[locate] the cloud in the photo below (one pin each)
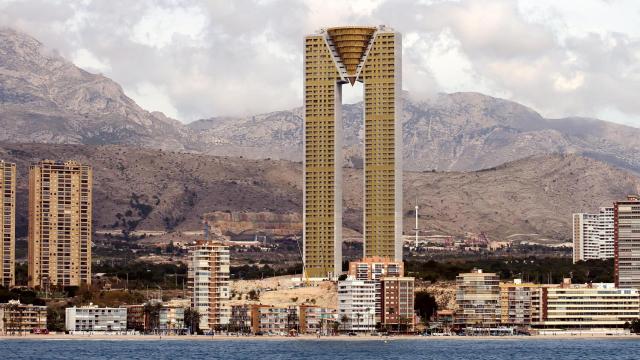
(196, 59)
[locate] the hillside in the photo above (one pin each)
(139, 188)
(46, 99)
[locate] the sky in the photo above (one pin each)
(198, 59)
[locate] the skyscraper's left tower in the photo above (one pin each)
(334, 57)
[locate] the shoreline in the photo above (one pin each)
(103, 337)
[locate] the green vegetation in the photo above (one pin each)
(425, 305)
(541, 270)
(252, 272)
(141, 274)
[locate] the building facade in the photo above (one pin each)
(208, 273)
(398, 299)
(240, 319)
(60, 200)
(477, 299)
(587, 306)
(357, 304)
(375, 268)
(7, 223)
(626, 218)
(516, 302)
(17, 318)
(92, 318)
(268, 319)
(593, 235)
(333, 57)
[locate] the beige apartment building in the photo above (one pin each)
(60, 201)
(477, 299)
(517, 302)
(208, 273)
(7, 223)
(334, 57)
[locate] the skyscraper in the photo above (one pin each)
(209, 283)
(593, 235)
(7, 223)
(333, 57)
(626, 230)
(60, 200)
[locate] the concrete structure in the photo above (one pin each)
(316, 319)
(333, 57)
(208, 274)
(593, 235)
(587, 306)
(626, 219)
(398, 299)
(7, 223)
(59, 224)
(17, 318)
(88, 319)
(516, 299)
(357, 304)
(477, 299)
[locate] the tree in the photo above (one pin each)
(344, 319)
(152, 314)
(425, 305)
(192, 320)
(635, 326)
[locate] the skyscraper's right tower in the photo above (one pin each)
(333, 57)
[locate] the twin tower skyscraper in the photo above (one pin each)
(334, 57)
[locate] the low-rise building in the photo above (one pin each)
(240, 319)
(357, 304)
(398, 299)
(92, 318)
(477, 299)
(16, 318)
(268, 319)
(586, 306)
(317, 319)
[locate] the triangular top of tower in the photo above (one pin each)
(351, 43)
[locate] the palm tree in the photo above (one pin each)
(192, 319)
(344, 321)
(368, 317)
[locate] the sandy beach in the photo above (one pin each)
(103, 337)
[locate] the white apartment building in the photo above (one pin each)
(477, 299)
(209, 283)
(586, 306)
(593, 235)
(357, 304)
(93, 318)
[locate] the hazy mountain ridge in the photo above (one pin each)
(46, 99)
(172, 190)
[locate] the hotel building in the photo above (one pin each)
(92, 318)
(357, 304)
(626, 222)
(477, 299)
(333, 57)
(593, 235)
(7, 223)
(316, 319)
(59, 224)
(268, 319)
(208, 273)
(16, 318)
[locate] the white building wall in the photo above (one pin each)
(357, 301)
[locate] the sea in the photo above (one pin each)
(433, 349)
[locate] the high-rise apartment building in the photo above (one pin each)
(7, 223)
(477, 299)
(208, 273)
(593, 235)
(398, 299)
(516, 302)
(626, 224)
(357, 304)
(333, 57)
(59, 223)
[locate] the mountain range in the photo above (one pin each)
(46, 99)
